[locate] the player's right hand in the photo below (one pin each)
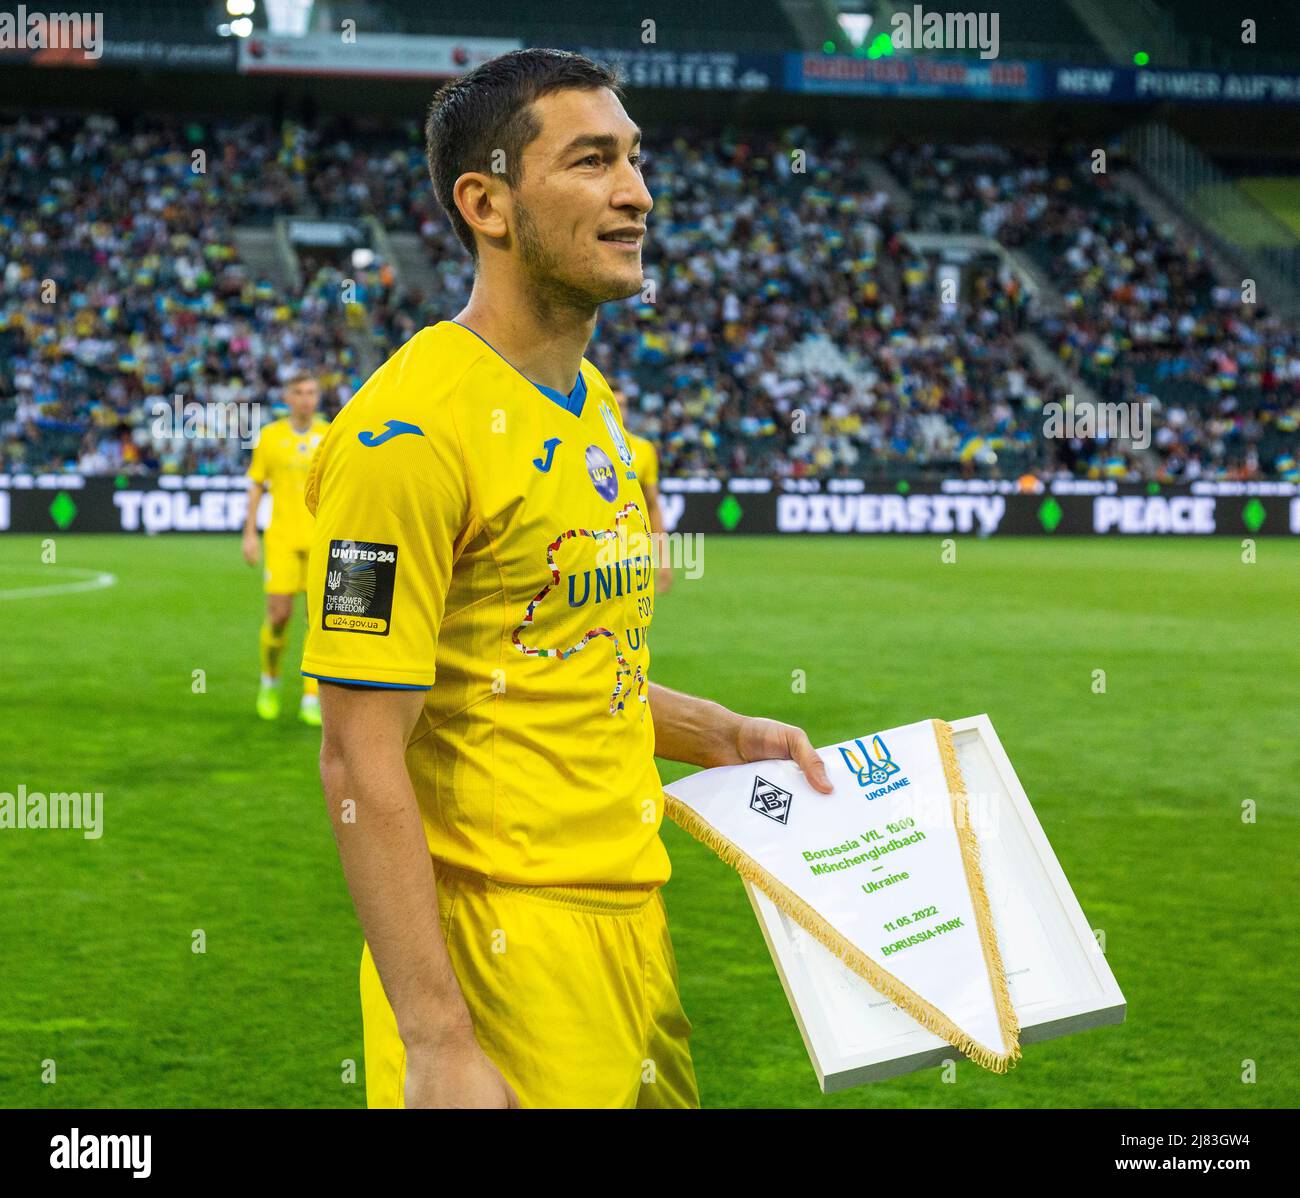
(252, 547)
(457, 1075)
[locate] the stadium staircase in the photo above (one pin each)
(1245, 239)
(1031, 272)
(882, 178)
(1143, 193)
(414, 267)
(261, 254)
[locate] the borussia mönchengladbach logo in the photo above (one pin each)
(770, 800)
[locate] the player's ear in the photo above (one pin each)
(479, 198)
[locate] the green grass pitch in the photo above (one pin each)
(214, 821)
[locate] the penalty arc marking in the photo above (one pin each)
(90, 580)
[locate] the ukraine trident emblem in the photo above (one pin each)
(870, 770)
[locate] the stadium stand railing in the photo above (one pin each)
(1265, 246)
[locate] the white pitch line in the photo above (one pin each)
(96, 582)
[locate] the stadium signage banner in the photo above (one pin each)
(690, 70)
(916, 77)
(835, 507)
(920, 76)
(884, 872)
(333, 233)
(955, 507)
(171, 56)
(1130, 84)
(77, 40)
(72, 503)
(890, 513)
(372, 54)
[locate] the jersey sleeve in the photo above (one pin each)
(258, 467)
(391, 518)
(650, 476)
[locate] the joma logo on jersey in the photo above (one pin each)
(549, 446)
(392, 428)
(869, 769)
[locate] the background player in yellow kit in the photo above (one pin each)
(280, 463)
(480, 594)
(645, 461)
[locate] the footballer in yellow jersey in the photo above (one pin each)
(485, 539)
(281, 460)
(480, 599)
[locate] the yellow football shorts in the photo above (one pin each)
(572, 991)
(286, 568)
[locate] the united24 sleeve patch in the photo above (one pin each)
(359, 587)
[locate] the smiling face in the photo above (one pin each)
(579, 210)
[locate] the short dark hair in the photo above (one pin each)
(489, 109)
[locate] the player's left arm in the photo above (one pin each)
(650, 488)
(258, 473)
(701, 732)
(664, 577)
(656, 513)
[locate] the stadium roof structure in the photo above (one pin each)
(678, 24)
(1159, 33)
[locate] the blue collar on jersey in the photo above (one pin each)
(570, 403)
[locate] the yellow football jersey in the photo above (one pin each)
(281, 460)
(645, 460)
(485, 538)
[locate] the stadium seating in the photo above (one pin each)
(1144, 318)
(777, 293)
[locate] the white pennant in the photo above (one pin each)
(884, 871)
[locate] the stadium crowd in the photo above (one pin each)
(1142, 317)
(787, 327)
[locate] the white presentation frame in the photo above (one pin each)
(1058, 978)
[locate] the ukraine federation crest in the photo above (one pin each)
(870, 768)
(770, 800)
(616, 434)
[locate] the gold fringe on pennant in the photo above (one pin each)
(925, 1013)
(1008, 1020)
